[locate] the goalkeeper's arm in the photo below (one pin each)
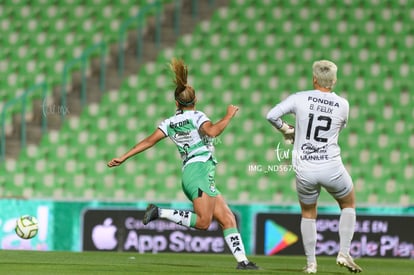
(287, 130)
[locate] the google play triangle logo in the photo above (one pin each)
(277, 238)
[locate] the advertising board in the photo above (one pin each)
(375, 236)
(123, 230)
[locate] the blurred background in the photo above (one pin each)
(83, 81)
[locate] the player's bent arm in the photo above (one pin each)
(143, 145)
(213, 130)
(287, 106)
(288, 131)
(273, 116)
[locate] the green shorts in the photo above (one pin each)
(198, 177)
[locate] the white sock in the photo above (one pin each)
(235, 243)
(308, 230)
(346, 229)
(181, 217)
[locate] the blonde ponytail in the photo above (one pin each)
(184, 94)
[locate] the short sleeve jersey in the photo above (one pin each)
(184, 130)
(320, 116)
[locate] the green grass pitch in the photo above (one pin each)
(35, 262)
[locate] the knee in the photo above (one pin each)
(309, 211)
(203, 223)
(348, 201)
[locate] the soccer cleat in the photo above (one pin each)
(247, 266)
(310, 268)
(150, 214)
(346, 260)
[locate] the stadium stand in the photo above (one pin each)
(250, 53)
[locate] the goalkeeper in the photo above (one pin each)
(320, 116)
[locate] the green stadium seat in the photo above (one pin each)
(253, 54)
(14, 185)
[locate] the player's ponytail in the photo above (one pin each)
(184, 94)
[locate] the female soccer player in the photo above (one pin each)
(192, 131)
(320, 116)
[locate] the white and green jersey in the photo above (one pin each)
(184, 130)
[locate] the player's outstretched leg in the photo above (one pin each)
(346, 260)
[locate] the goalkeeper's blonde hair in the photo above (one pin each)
(324, 71)
(184, 94)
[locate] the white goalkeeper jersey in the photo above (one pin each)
(320, 116)
(184, 130)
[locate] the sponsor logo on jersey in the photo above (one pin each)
(323, 101)
(179, 123)
(309, 148)
(183, 137)
(312, 152)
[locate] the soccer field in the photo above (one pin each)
(35, 262)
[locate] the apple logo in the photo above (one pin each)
(103, 235)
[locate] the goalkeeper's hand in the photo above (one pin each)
(288, 132)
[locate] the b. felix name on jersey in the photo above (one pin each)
(327, 107)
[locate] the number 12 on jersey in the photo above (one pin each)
(319, 128)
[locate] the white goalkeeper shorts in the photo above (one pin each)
(335, 179)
